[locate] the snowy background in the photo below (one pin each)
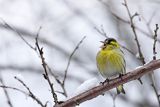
(64, 23)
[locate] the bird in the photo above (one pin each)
(110, 61)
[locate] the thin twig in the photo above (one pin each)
(13, 88)
(33, 69)
(155, 40)
(131, 17)
(69, 60)
(115, 15)
(149, 22)
(154, 58)
(58, 81)
(23, 92)
(50, 71)
(123, 20)
(128, 22)
(101, 31)
(18, 33)
(139, 49)
(46, 76)
(151, 18)
(100, 89)
(30, 92)
(156, 92)
(31, 35)
(6, 93)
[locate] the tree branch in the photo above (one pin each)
(30, 92)
(69, 60)
(44, 65)
(131, 17)
(99, 90)
(154, 58)
(18, 33)
(155, 40)
(13, 88)
(6, 93)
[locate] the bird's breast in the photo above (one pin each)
(110, 63)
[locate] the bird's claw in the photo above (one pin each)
(107, 80)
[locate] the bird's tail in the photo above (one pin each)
(120, 89)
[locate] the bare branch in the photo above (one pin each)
(46, 76)
(18, 33)
(58, 81)
(151, 18)
(156, 91)
(37, 70)
(24, 33)
(155, 40)
(100, 89)
(23, 92)
(101, 31)
(6, 93)
(134, 15)
(30, 92)
(128, 22)
(148, 23)
(134, 32)
(69, 61)
(154, 58)
(13, 88)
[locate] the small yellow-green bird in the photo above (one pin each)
(110, 61)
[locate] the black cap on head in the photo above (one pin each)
(108, 40)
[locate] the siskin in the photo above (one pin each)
(111, 62)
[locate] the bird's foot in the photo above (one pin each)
(120, 76)
(107, 80)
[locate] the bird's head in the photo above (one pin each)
(109, 44)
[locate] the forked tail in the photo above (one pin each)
(120, 89)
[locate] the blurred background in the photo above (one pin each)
(64, 23)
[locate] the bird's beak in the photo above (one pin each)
(102, 41)
(102, 45)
